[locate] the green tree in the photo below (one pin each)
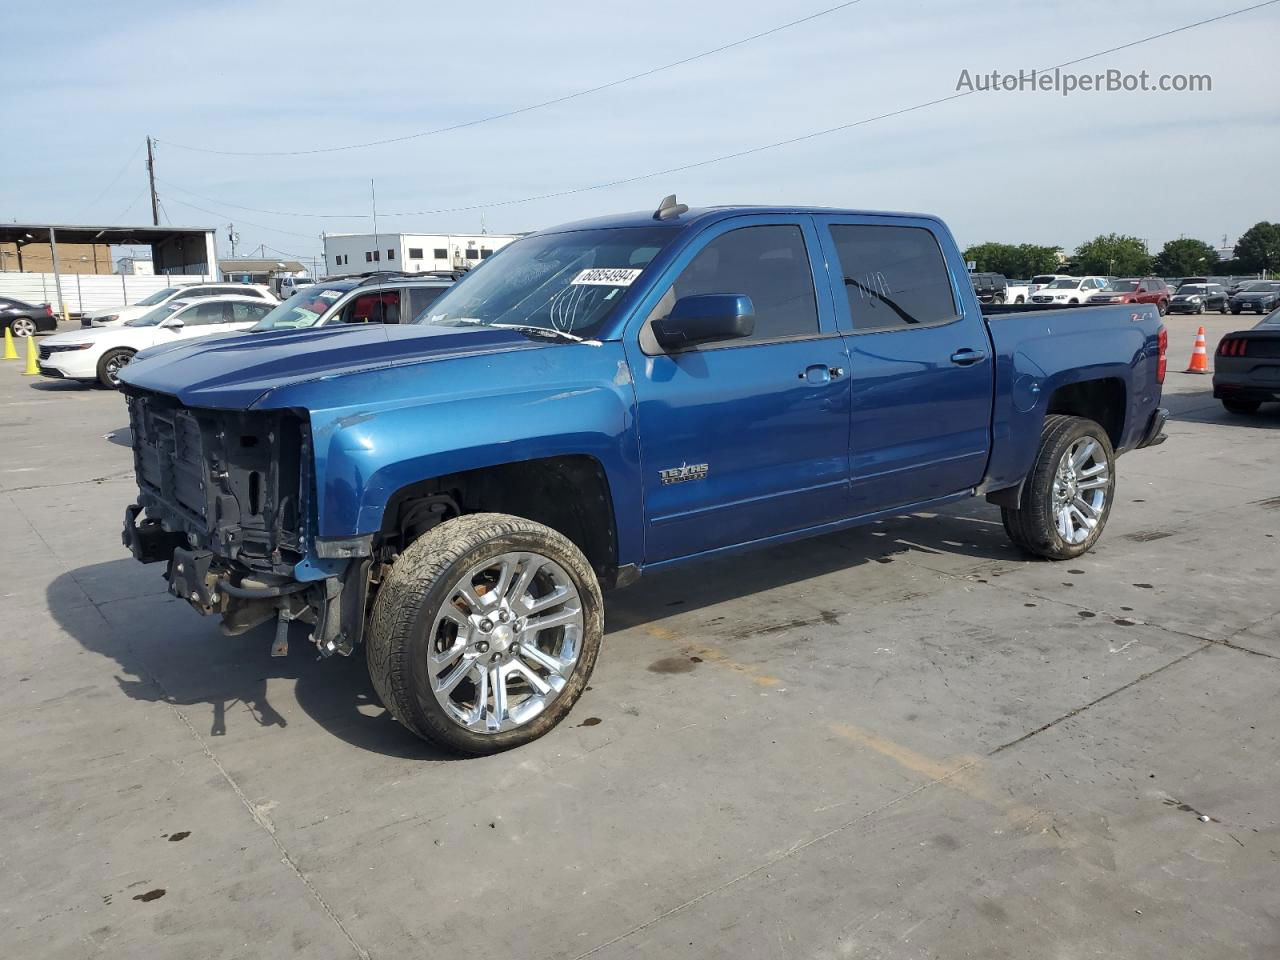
(1185, 258)
(1035, 258)
(1019, 261)
(993, 257)
(1112, 254)
(1259, 248)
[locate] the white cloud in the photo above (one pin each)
(1033, 167)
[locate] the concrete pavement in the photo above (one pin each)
(903, 741)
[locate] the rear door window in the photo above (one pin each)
(203, 314)
(894, 277)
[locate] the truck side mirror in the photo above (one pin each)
(705, 318)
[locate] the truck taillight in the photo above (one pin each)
(1162, 364)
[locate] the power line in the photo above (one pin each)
(260, 226)
(525, 109)
(275, 213)
(120, 216)
(116, 178)
(761, 147)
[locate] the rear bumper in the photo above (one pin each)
(1246, 378)
(1154, 434)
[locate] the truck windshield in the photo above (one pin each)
(567, 282)
(303, 309)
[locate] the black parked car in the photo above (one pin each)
(1246, 370)
(25, 319)
(1260, 295)
(990, 287)
(1199, 297)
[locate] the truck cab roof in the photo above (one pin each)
(703, 215)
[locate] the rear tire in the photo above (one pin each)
(432, 623)
(22, 327)
(1065, 502)
(112, 362)
(1243, 407)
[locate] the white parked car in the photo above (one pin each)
(98, 354)
(118, 316)
(1042, 280)
(1069, 290)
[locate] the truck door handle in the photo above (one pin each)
(967, 357)
(821, 373)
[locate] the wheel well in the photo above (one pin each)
(1102, 401)
(570, 494)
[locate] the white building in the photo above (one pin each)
(350, 253)
(135, 266)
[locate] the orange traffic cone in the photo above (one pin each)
(1199, 356)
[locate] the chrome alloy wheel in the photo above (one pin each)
(23, 327)
(505, 642)
(1080, 488)
(113, 367)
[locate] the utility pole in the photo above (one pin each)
(373, 200)
(233, 237)
(151, 175)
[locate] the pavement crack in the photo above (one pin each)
(260, 819)
(1093, 703)
(72, 483)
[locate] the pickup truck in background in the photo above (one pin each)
(603, 399)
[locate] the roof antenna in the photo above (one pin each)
(668, 209)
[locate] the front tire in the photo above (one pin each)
(1243, 407)
(485, 632)
(109, 367)
(1066, 498)
(1200, 307)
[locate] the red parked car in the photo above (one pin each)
(1135, 290)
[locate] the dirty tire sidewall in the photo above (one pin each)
(1031, 526)
(398, 637)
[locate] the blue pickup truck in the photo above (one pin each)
(605, 398)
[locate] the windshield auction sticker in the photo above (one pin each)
(606, 277)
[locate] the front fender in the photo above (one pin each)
(480, 412)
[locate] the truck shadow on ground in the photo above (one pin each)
(167, 653)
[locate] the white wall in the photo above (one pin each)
(354, 248)
(97, 290)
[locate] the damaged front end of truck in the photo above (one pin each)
(224, 498)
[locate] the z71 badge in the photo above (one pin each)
(684, 472)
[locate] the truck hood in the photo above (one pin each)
(238, 372)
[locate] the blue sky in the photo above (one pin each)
(88, 81)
